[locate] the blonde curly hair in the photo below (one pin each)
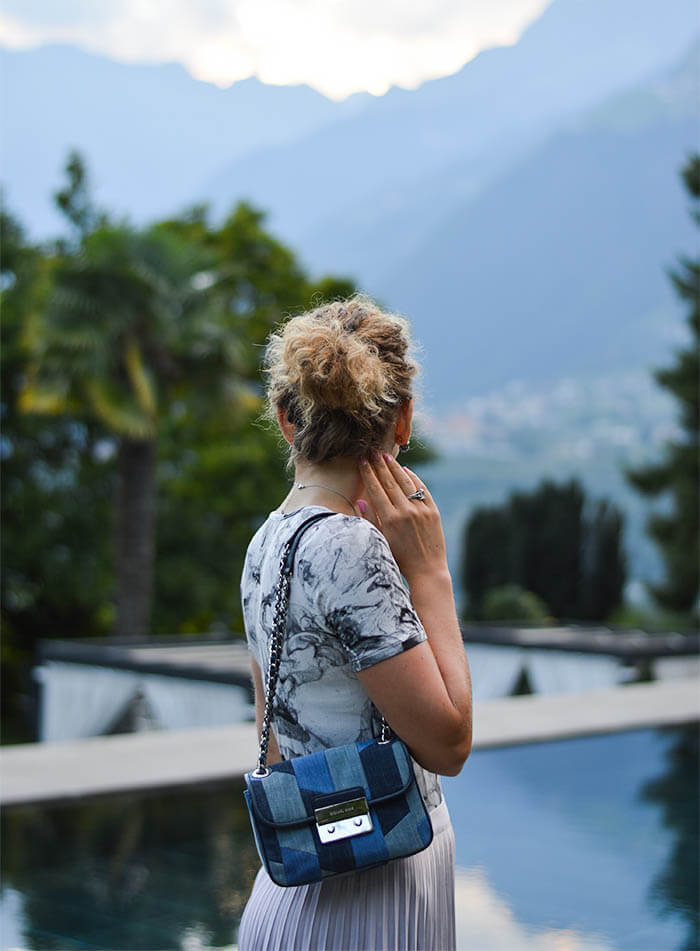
(341, 372)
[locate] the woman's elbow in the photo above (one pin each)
(449, 756)
(458, 757)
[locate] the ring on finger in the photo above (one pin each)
(417, 496)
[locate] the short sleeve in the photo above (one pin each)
(365, 601)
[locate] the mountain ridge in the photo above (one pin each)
(499, 95)
(591, 216)
(148, 132)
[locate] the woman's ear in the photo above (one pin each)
(286, 428)
(404, 423)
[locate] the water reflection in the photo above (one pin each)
(676, 889)
(566, 841)
(131, 872)
(485, 921)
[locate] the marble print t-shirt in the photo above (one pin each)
(348, 609)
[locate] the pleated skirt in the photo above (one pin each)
(406, 905)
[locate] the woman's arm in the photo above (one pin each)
(273, 750)
(425, 692)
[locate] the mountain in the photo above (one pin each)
(150, 134)
(500, 104)
(557, 267)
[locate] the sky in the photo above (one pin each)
(337, 46)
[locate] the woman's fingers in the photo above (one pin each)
(412, 527)
(400, 475)
(387, 488)
(392, 478)
(376, 496)
(418, 484)
(388, 484)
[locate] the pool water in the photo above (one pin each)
(583, 845)
(593, 840)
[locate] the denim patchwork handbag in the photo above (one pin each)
(336, 811)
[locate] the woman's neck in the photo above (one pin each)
(335, 485)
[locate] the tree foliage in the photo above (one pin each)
(677, 475)
(123, 342)
(551, 543)
(510, 602)
(75, 201)
(55, 577)
(132, 321)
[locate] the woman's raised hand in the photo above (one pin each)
(412, 527)
(424, 692)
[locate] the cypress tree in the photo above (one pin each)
(677, 474)
(548, 543)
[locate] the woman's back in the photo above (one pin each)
(348, 610)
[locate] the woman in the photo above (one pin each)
(358, 640)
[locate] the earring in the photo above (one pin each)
(405, 446)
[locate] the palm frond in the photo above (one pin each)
(42, 397)
(81, 339)
(140, 378)
(120, 413)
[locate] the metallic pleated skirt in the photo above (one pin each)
(406, 905)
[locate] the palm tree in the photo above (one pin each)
(130, 326)
(149, 331)
(138, 325)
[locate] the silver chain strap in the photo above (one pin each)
(279, 627)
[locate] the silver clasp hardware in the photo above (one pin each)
(343, 820)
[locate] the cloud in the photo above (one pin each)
(485, 921)
(337, 46)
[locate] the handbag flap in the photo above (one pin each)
(294, 788)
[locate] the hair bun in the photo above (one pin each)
(340, 372)
(336, 370)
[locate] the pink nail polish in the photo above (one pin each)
(362, 505)
(388, 458)
(363, 462)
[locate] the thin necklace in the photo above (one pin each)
(319, 485)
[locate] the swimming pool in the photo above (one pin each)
(584, 845)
